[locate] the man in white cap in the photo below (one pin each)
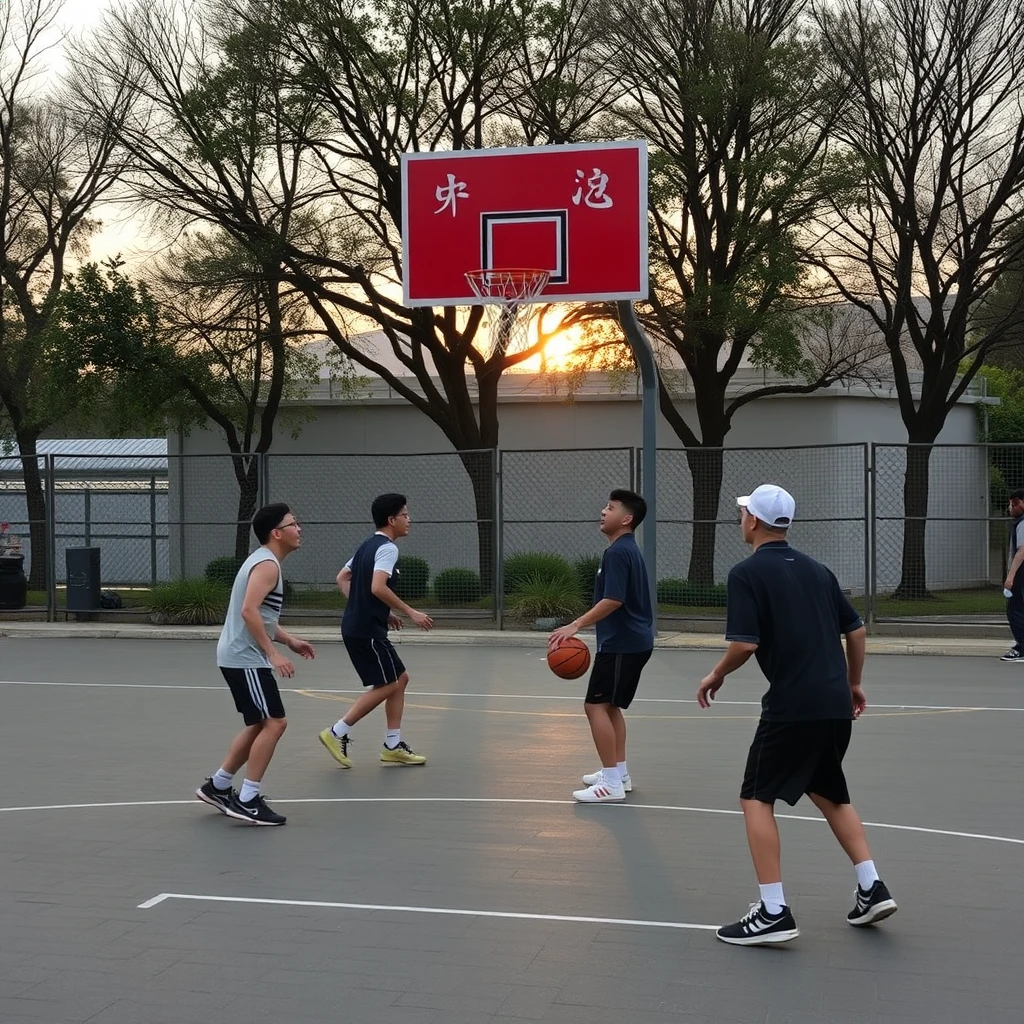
(787, 610)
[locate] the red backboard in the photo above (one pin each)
(577, 211)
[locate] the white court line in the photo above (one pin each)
(516, 800)
(494, 696)
(447, 911)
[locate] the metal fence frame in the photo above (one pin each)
(866, 511)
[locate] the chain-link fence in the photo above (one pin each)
(911, 532)
(941, 530)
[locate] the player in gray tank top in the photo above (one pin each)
(248, 659)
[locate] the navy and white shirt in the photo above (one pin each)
(365, 614)
(792, 608)
(1016, 536)
(623, 577)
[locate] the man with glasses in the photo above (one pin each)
(370, 610)
(248, 660)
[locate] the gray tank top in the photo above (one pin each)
(237, 648)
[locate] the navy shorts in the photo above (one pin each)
(255, 692)
(788, 759)
(375, 660)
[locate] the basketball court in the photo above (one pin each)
(473, 889)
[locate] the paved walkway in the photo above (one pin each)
(957, 646)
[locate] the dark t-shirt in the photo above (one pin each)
(792, 608)
(365, 614)
(623, 577)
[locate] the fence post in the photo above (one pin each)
(498, 545)
(264, 482)
(872, 582)
(152, 531)
(50, 492)
(87, 513)
(634, 483)
(181, 515)
(869, 600)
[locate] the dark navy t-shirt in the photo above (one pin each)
(792, 608)
(623, 577)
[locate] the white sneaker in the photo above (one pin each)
(595, 777)
(600, 793)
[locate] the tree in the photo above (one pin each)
(730, 94)
(227, 339)
(320, 98)
(54, 169)
(935, 119)
(1003, 308)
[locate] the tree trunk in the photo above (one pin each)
(706, 466)
(480, 467)
(35, 502)
(912, 586)
(247, 473)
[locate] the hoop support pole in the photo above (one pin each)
(644, 355)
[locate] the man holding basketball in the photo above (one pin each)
(787, 610)
(624, 622)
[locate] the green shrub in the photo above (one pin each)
(223, 569)
(456, 586)
(540, 597)
(536, 564)
(585, 571)
(191, 601)
(685, 594)
(413, 576)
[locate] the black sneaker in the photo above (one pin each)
(219, 798)
(759, 927)
(254, 811)
(1012, 655)
(873, 905)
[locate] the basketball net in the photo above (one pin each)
(510, 296)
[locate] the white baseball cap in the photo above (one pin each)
(771, 504)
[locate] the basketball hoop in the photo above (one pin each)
(512, 293)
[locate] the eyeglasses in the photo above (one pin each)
(285, 526)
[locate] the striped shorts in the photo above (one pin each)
(255, 692)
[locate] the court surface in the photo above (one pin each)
(473, 889)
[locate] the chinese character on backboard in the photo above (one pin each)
(447, 194)
(596, 197)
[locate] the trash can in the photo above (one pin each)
(83, 576)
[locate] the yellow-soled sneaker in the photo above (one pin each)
(337, 748)
(400, 755)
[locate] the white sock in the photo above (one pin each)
(392, 738)
(341, 728)
(623, 769)
(866, 874)
(249, 790)
(221, 779)
(772, 897)
(612, 776)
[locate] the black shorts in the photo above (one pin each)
(788, 759)
(255, 692)
(376, 661)
(615, 677)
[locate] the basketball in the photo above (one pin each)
(570, 660)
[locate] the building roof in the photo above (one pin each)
(95, 455)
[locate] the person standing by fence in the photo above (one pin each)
(1014, 583)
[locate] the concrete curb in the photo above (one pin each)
(949, 646)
